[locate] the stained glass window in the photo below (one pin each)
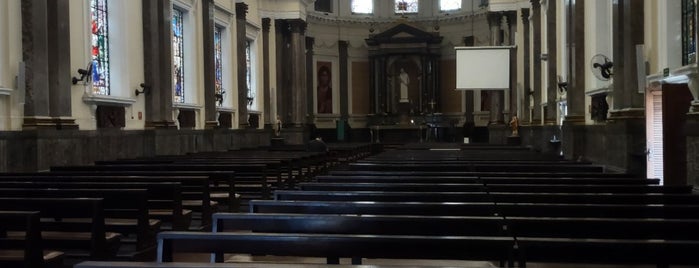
(362, 6)
(218, 62)
(178, 53)
(446, 5)
(100, 47)
(406, 6)
(689, 38)
(248, 73)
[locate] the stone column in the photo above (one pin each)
(526, 87)
(283, 88)
(266, 23)
(513, 93)
(628, 32)
(627, 119)
(241, 9)
(552, 55)
(36, 59)
(298, 72)
(577, 64)
(157, 45)
(536, 60)
(573, 129)
(59, 64)
(496, 96)
(208, 25)
(344, 80)
(310, 90)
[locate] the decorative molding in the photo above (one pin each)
(187, 106)
(322, 18)
(283, 14)
(223, 9)
(5, 91)
(107, 100)
(225, 109)
(598, 91)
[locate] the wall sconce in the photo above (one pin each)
(145, 89)
(84, 74)
(562, 85)
(219, 97)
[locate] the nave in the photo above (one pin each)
(358, 204)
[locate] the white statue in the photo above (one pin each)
(404, 81)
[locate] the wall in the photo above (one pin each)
(451, 98)
(39, 150)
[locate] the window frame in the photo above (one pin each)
(103, 88)
(371, 12)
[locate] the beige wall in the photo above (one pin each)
(451, 99)
(360, 88)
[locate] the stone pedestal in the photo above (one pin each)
(277, 141)
(514, 140)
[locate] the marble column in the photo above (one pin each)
(208, 24)
(298, 72)
(241, 9)
(283, 88)
(573, 129)
(513, 104)
(628, 28)
(344, 79)
(157, 61)
(536, 60)
(496, 96)
(267, 103)
(526, 77)
(577, 64)
(552, 60)
(35, 54)
(59, 64)
(310, 90)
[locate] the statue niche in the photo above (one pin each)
(403, 73)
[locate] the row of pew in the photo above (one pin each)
(461, 205)
(113, 210)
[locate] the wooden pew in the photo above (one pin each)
(125, 212)
(478, 167)
(486, 180)
(542, 174)
(26, 248)
(109, 264)
(477, 209)
(77, 239)
(482, 196)
(194, 192)
(476, 187)
(336, 245)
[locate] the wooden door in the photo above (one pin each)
(676, 102)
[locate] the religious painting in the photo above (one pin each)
(324, 89)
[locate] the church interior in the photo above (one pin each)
(349, 133)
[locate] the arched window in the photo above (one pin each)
(362, 6)
(406, 6)
(250, 74)
(448, 5)
(99, 27)
(689, 38)
(218, 62)
(178, 54)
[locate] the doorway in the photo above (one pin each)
(666, 114)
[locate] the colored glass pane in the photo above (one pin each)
(99, 54)
(218, 61)
(178, 54)
(406, 6)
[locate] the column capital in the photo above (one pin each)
(297, 26)
(241, 10)
(536, 4)
(525, 16)
(266, 23)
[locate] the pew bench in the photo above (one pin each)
(81, 239)
(334, 246)
(125, 212)
(485, 180)
(26, 247)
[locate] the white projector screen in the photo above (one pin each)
(483, 68)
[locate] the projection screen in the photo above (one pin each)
(486, 68)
